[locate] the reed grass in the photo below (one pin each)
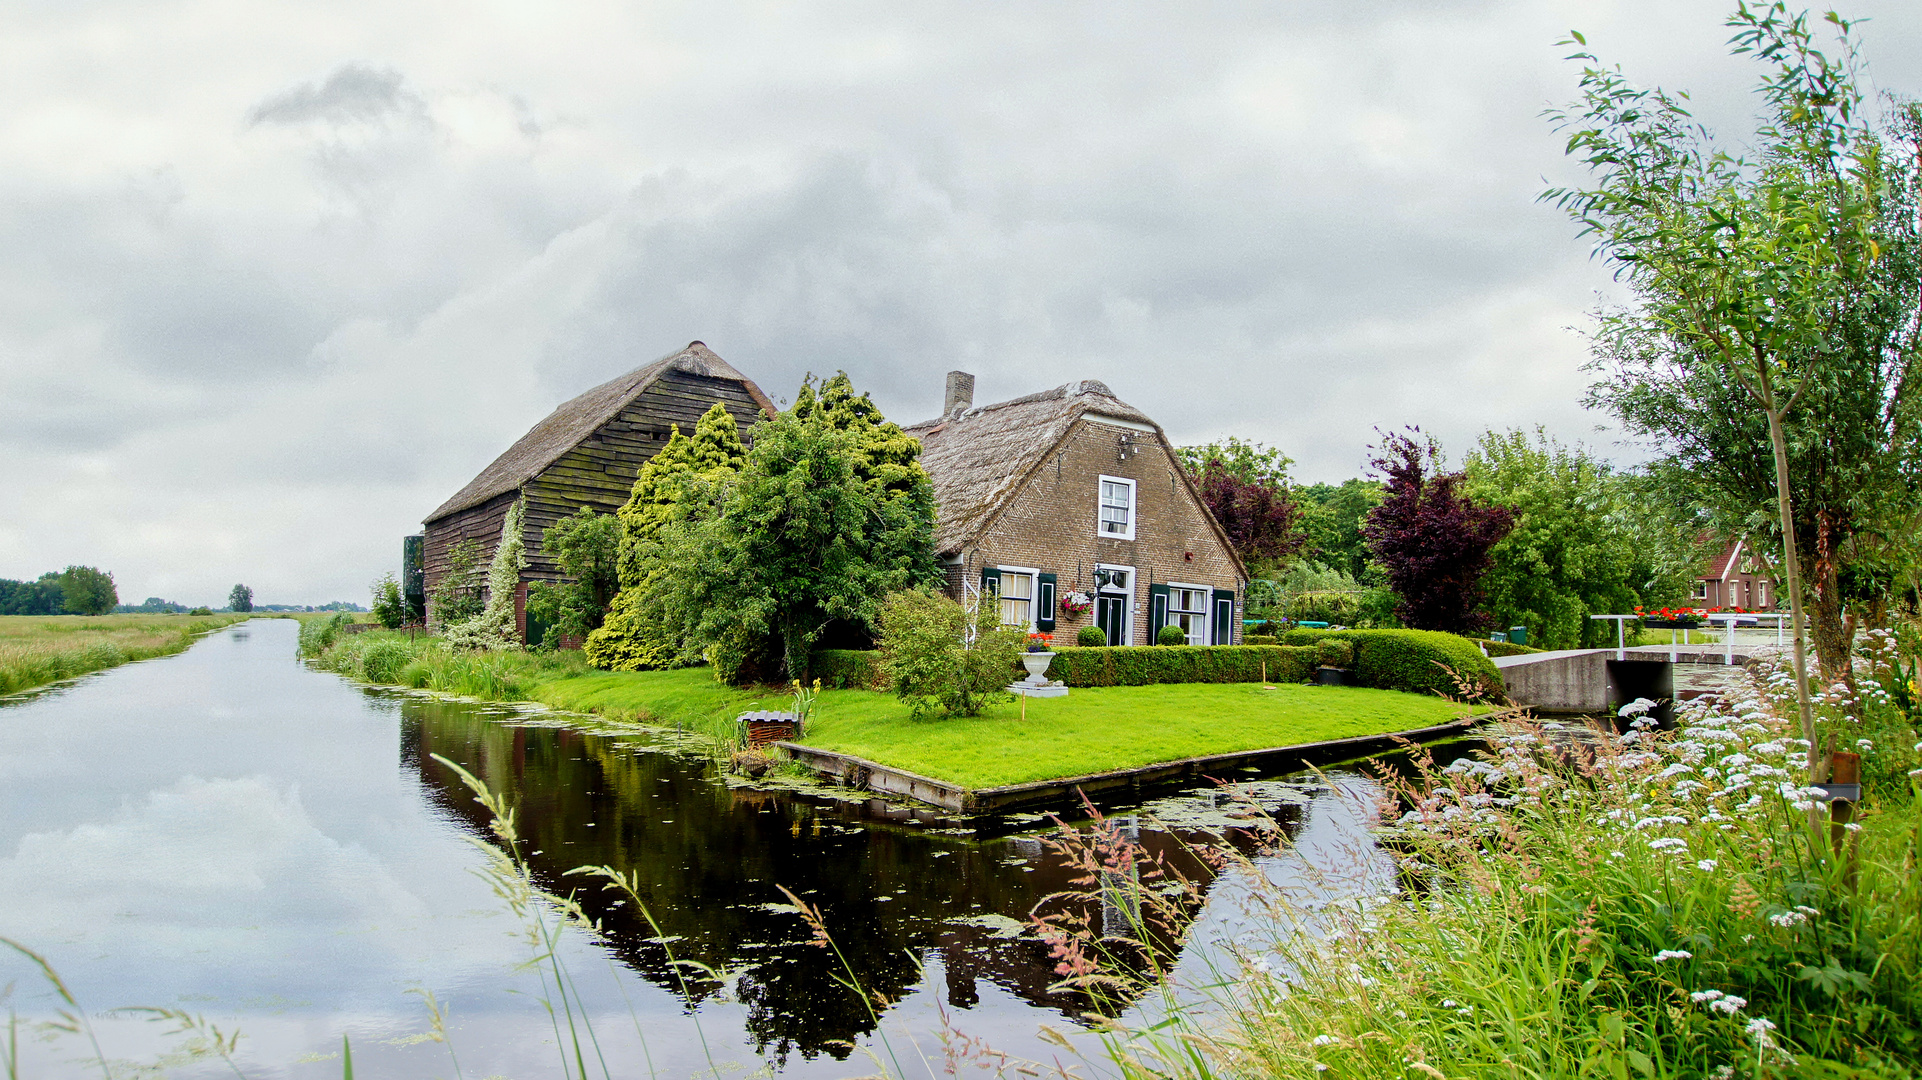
(37, 650)
(1573, 904)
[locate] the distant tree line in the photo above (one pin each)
(77, 590)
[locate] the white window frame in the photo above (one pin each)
(1701, 589)
(1205, 616)
(1127, 601)
(1033, 574)
(1101, 504)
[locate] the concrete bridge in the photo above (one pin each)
(1598, 681)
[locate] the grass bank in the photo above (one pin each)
(1093, 729)
(39, 649)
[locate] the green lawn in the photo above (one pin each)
(1091, 730)
(1099, 729)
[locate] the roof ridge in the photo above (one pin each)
(574, 419)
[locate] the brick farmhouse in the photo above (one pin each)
(1070, 492)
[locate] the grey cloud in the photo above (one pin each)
(355, 92)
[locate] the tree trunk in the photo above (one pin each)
(1832, 629)
(1792, 568)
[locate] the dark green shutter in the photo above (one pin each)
(1224, 616)
(1044, 604)
(1157, 612)
(990, 582)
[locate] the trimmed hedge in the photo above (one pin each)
(847, 669)
(1408, 660)
(1142, 665)
(1506, 648)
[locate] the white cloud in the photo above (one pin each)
(274, 284)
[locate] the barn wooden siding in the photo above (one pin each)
(598, 472)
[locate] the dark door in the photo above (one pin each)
(1111, 615)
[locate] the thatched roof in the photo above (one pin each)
(575, 420)
(979, 458)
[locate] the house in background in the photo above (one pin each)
(587, 453)
(1735, 578)
(1073, 490)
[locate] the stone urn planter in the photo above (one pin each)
(1037, 684)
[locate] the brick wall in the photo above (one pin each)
(1051, 526)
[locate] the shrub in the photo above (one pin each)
(381, 660)
(928, 662)
(1259, 639)
(1171, 635)
(319, 635)
(1091, 637)
(1142, 665)
(1335, 653)
(848, 669)
(1412, 660)
(1506, 648)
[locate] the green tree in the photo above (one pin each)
(830, 514)
(1741, 264)
(389, 606)
(683, 481)
(587, 548)
(1577, 547)
(1248, 462)
(1332, 516)
(85, 590)
(240, 599)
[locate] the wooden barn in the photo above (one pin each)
(587, 453)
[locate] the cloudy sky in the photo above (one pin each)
(277, 279)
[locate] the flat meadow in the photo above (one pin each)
(39, 649)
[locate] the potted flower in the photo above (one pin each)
(1040, 643)
(1037, 658)
(1075, 604)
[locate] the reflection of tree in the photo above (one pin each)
(707, 861)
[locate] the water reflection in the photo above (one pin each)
(233, 833)
(708, 860)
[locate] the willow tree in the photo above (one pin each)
(1740, 263)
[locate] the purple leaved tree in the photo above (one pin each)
(1432, 540)
(1261, 518)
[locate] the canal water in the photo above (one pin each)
(230, 834)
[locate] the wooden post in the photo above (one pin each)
(1264, 672)
(1844, 768)
(1024, 707)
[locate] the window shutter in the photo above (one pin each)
(1157, 612)
(990, 582)
(1224, 617)
(1044, 603)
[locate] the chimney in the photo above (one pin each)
(960, 392)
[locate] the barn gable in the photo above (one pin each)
(588, 452)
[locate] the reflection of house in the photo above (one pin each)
(1073, 490)
(587, 453)
(1736, 577)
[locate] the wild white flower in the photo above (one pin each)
(1323, 1040)
(1676, 769)
(1758, 1029)
(1736, 760)
(1864, 745)
(1853, 826)
(1635, 708)
(1789, 918)
(1807, 910)
(1664, 843)
(1673, 954)
(1700, 996)
(1706, 866)
(1730, 1004)
(1449, 1003)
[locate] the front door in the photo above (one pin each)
(1111, 615)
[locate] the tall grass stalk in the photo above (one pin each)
(1572, 903)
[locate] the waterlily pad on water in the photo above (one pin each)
(996, 925)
